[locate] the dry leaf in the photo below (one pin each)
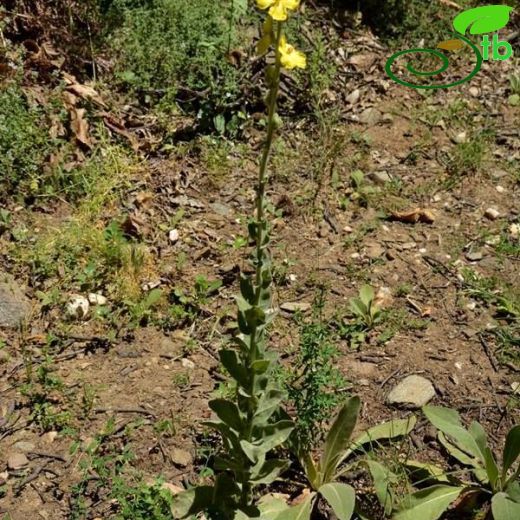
(118, 127)
(450, 45)
(450, 3)
(414, 216)
(79, 126)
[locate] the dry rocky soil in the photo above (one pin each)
(433, 227)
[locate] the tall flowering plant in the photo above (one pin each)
(251, 424)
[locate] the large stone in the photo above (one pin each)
(412, 392)
(14, 306)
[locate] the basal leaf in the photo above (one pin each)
(366, 294)
(338, 437)
(300, 512)
(504, 507)
(383, 478)
(192, 501)
(270, 470)
(485, 19)
(271, 506)
(383, 431)
(428, 504)
(340, 497)
(448, 422)
(511, 448)
(423, 472)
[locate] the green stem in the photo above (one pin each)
(262, 179)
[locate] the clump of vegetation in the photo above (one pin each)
(24, 142)
(314, 390)
(170, 52)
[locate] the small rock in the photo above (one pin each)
(24, 447)
(50, 437)
(383, 298)
(374, 250)
(460, 138)
(97, 299)
(348, 229)
(412, 392)
(181, 457)
(17, 461)
(500, 189)
(381, 177)
(221, 209)
(295, 306)
(474, 91)
(370, 116)
(14, 306)
(173, 236)
(388, 118)
(353, 97)
(514, 230)
(492, 213)
(515, 386)
(187, 363)
(474, 256)
(78, 307)
(471, 306)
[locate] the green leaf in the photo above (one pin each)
(311, 471)
(270, 470)
(491, 468)
(273, 435)
(340, 497)
(366, 294)
(511, 448)
(260, 366)
(338, 437)
(358, 307)
(383, 431)
(513, 490)
(478, 433)
(448, 421)
(485, 19)
(229, 359)
(227, 412)
(192, 501)
(428, 504)
(271, 506)
(268, 404)
(383, 478)
(246, 289)
(152, 298)
(300, 512)
(504, 507)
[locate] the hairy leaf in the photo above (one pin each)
(340, 497)
(504, 507)
(301, 511)
(227, 412)
(428, 504)
(511, 448)
(338, 437)
(383, 478)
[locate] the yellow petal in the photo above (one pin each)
(264, 4)
(278, 11)
(295, 59)
(291, 4)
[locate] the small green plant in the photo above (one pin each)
(314, 387)
(323, 476)
(499, 485)
(362, 191)
(365, 315)
(205, 288)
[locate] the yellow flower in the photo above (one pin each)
(278, 8)
(290, 57)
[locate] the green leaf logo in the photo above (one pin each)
(486, 19)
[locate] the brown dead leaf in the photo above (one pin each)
(79, 126)
(301, 497)
(133, 226)
(118, 127)
(450, 45)
(414, 216)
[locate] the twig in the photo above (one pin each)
(386, 379)
(48, 455)
(488, 352)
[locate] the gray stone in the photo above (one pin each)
(412, 392)
(17, 461)
(181, 458)
(24, 447)
(14, 306)
(474, 256)
(295, 306)
(380, 177)
(221, 209)
(370, 116)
